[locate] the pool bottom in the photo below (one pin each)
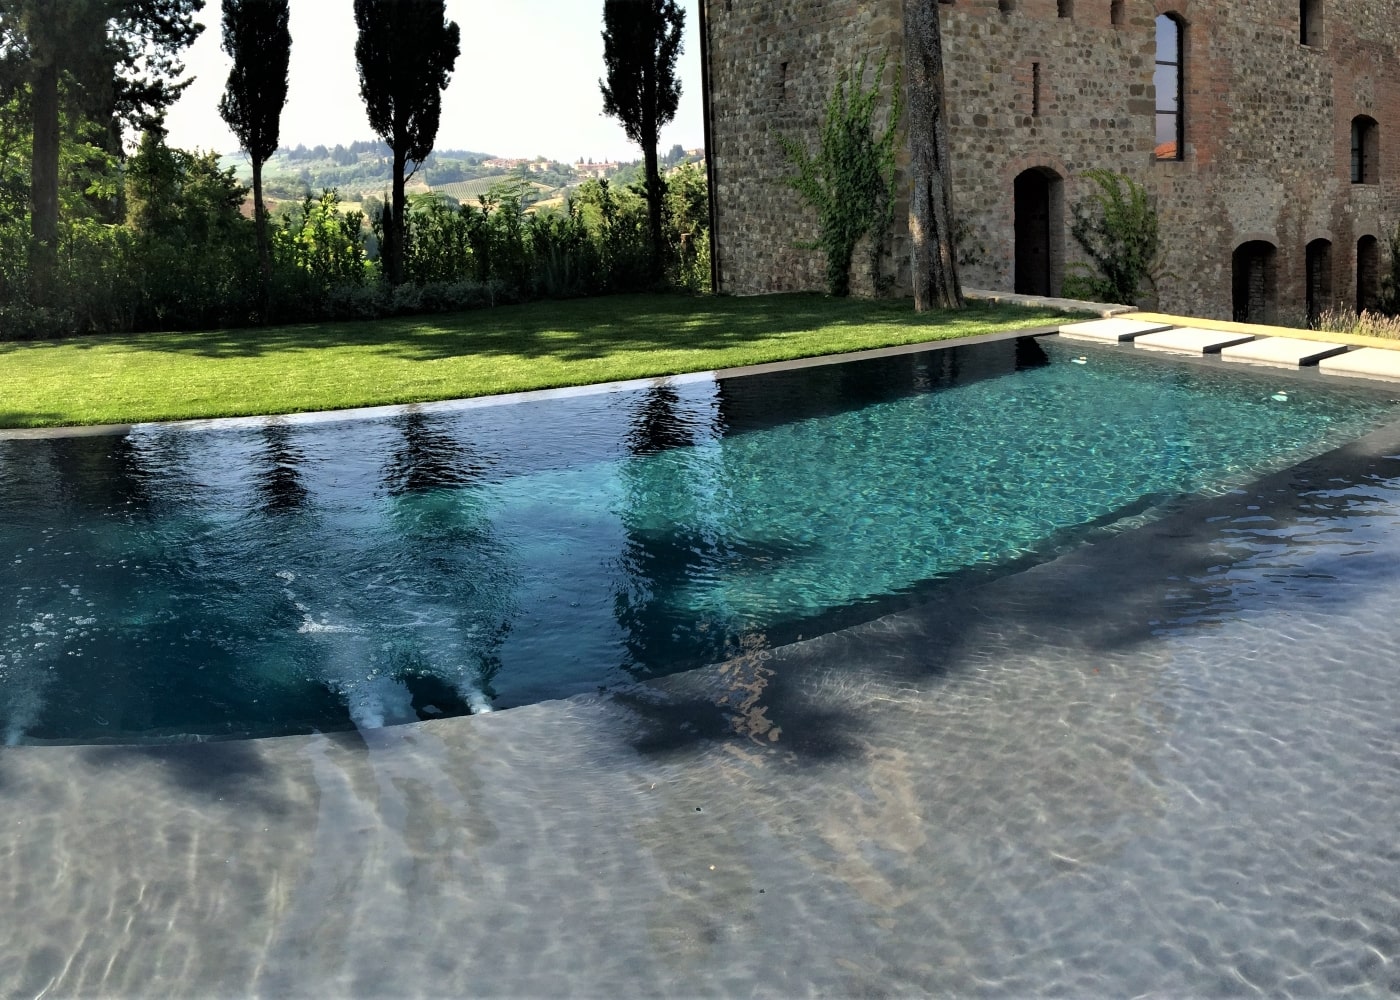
(1162, 764)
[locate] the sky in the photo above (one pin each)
(525, 84)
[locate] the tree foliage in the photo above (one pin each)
(1116, 226)
(406, 50)
(120, 59)
(257, 37)
(849, 180)
(641, 40)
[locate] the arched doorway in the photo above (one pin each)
(1039, 196)
(1255, 281)
(1368, 273)
(1319, 279)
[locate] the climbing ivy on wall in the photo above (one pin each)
(849, 180)
(1117, 228)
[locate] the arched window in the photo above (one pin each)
(1066, 8)
(1006, 6)
(1310, 22)
(1116, 13)
(1170, 79)
(1365, 150)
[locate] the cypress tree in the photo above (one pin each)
(641, 40)
(257, 37)
(406, 50)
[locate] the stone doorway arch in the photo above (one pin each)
(1040, 231)
(1368, 273)
(1318, 279)
(1255, 273)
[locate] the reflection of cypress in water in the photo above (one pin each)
(279, 484)
(660, 559)
(429, 459)
(656, 425)
(98, 473)
(446, 545)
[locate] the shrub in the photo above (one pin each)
(850, 178)
(1367, 324)
(1117, 228)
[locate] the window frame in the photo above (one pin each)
(1365, 150)
(1180, 113)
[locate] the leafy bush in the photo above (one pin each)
(318, 247)
(1389, 301)
(850, 179)
(185, 256)
(1366, 324)
(617, 219)
(688, 224)
(1117, 228)
(193, 256)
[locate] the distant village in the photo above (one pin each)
(361, 171)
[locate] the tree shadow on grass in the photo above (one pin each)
(14, 420)
(575, 330)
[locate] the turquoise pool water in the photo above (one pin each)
(287, 577)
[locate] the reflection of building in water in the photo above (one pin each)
(1265, 133)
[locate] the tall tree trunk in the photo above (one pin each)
(264, 245)
(655, 193)
(935, 263)
(43, 191)
(396, 245)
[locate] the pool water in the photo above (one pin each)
(289, 576)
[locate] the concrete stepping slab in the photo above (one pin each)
(1365, 362)
(1111, 331)
(1191, 340)
(1282, 352)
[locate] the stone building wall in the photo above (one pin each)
(1060, 87)
(772, 69)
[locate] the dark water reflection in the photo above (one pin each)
(280, 483)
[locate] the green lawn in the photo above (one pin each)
(171, 376)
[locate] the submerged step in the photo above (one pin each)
(1366, 362)
(1191, 340)
(1112, 331)
(1282, 352)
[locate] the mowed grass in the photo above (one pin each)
(331, 366)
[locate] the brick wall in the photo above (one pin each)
(1268, 131)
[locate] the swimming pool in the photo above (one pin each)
(289, 576)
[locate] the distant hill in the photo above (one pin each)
(365, 168)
